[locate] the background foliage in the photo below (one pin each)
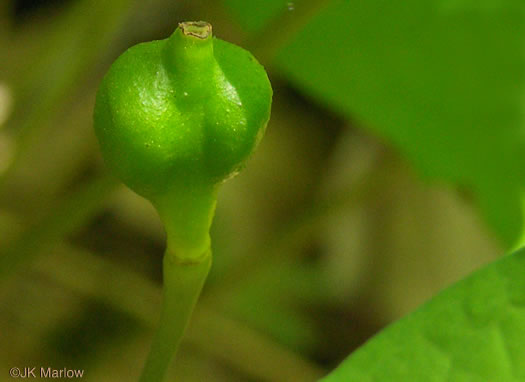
(393, 165)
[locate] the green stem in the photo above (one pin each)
(183, 283)
(187, 212)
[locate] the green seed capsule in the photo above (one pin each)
(177, 117)
(188, 108)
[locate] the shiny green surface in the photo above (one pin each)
(177, 117)
(181, 110)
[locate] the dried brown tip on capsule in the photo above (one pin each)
(199, 29)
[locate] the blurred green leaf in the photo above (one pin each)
(473, 331)
(253, 15)
(441, 80)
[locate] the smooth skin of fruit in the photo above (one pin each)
(181, 113)
(175, 118)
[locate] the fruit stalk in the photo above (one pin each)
(183, 281)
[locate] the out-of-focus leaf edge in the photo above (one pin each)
(471, 331)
